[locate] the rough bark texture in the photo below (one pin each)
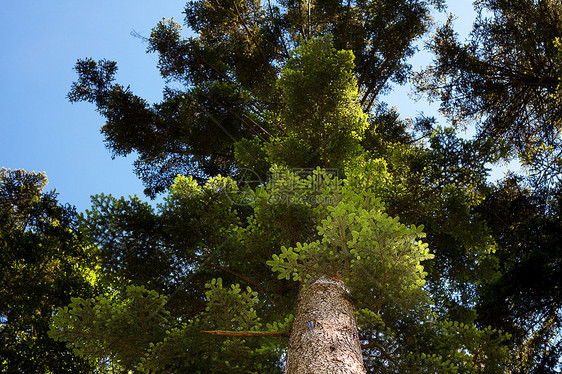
(324, 336)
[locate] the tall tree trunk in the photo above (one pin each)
(324, 336)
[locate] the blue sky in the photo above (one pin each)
(41, 131)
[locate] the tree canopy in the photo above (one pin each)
(284, 174)
(506, 81)
(228, 75)
(44, 264)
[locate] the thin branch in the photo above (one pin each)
(380, 348)
(283, 44)
(229, 110)
(251, 35)
(259, 288)
(269, 334)
(228, 80)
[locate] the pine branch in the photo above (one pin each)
(270, 334)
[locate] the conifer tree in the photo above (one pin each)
(303, 240)
(44, 263)
(505, 80)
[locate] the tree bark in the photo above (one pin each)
(324, 336)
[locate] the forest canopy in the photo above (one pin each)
(305, 226)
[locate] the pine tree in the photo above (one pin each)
(505, 79)
(44, 263)
(303, 240)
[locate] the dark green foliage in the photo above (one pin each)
(295, 84)
(504, 79)
(440, 186)
(229, 71)
(310, 225)
(343, 232)
(43, 263)
(526, 299)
